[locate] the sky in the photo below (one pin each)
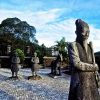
(54, 19)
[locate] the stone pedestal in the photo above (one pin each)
(14, 77)
(37, 77)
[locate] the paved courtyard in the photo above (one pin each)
(45, 89)
(23, 89)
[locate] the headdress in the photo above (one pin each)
(80, 24)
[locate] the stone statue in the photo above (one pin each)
(35, 66)
(15, 60)
(56, 66)
(83, 84)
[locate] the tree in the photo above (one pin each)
(25, 32)
(20, 54)
(43, 50)
(62, 46)
(15, 28)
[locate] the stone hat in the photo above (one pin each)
(80, 24)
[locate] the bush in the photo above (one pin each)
(20, 54)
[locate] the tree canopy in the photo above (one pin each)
(62, 46)
(15, 28)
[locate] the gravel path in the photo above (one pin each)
(45, 89)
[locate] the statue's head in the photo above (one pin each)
(82, 29)
(35, 54)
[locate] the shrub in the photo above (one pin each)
(20, 54)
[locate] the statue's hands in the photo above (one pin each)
(96, 66)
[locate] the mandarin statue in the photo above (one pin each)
(56, 66)
(34, 67)
(35, 61)
(83, 85)
(15, 61)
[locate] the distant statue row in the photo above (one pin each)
(15, 63)
(55, 65)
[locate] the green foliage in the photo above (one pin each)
(20, 54)
(61, 45)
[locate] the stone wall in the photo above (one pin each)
(47, 61)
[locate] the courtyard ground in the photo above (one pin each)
(23, 89)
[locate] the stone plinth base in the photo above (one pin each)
(54, 76)
(37, 77)
(14, 77)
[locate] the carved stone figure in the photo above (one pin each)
(15, 65)
(56, 66)
(83, 82)
(35, 66)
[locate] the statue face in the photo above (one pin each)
(35, 54)
(84, 33)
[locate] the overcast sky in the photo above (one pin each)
(54, 19)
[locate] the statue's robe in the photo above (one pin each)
(15, 64)
(83, 84)
(35, 66)
(56, 65)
